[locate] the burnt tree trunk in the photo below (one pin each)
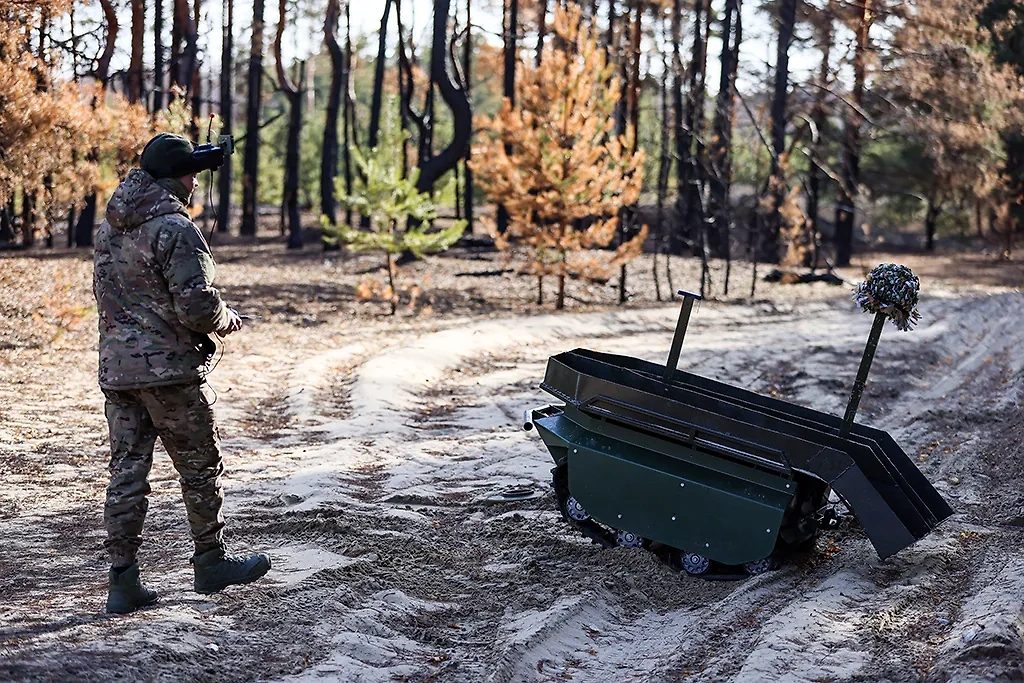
(134, 79)
(931, 219)
(348, 113)
(719, 234)
(447, 159)
(689, 172)
(630, 116)
(87, 219)
(819, 116)
(251, 163)
(194, 80)
(338, 86)
(677, 236)
(511, 36)
(769, 243)
(227, 112)
(293, 93)
(467, 68)
(378, 77)
(542, 30)
(158, 55)
(850, 157)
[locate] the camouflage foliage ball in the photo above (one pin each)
(893, 290)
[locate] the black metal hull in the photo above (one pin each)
(893, 501)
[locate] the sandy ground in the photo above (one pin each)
(362, 449)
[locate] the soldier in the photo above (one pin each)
(153, 283)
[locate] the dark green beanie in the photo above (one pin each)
(167, 156)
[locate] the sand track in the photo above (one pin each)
(364, 471)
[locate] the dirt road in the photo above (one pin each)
(361, 455)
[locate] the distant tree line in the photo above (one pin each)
(916, 105)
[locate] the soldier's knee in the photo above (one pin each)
(199, 468)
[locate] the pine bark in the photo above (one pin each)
(721, 139)
(134, 77)
(432, 168)
(251, 162)
(850, 157)
(293, 92)
(467, 68)
(87, 219)
(769, 242)
(338, 87)
(511, 35)
(227, 112)
(158, 55)
(378, 77)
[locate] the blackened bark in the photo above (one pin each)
(251, 163)
(721, 138)
(227, 112)
(689, 172)
(931, 219)
(293, 93)
(511, 13)
(850, 157)
(819, 116)
(378, 77)
(103, 63)
(467, 68)
(134, 79)
(677, 236)
(158, 55)
(339, 81)
(7, 222)
(542, 29)
(348, 114)
(87, 219)
(777, 186)
(447, 159)
(194, 80)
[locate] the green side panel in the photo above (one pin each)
(669, 493)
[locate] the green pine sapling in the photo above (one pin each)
(401, 218)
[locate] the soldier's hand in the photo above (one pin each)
(234, 323)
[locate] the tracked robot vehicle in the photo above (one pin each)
(718, 480)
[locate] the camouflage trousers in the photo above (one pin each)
(182, 416)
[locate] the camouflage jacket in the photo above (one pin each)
(153, 282)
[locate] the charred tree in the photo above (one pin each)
(769, 242)
(687, 141)
(250, 170)
(378, 77)
(433, 168)
(134, 77)
(511, 35)
(677, 236)
(467, 70)
(850, 155)
(158, 55)
(719, 233)
(819, 116)
(338, 87)
(348, 113)
(293, 93)
(87, 219)
(542, 29)
(227, 111)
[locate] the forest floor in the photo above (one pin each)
(361, 449)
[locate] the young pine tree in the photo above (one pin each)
(555, 164)
(401, 217)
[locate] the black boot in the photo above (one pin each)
(215, 571)
(126, 592)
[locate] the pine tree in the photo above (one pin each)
(554, 162)
(400, 216)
